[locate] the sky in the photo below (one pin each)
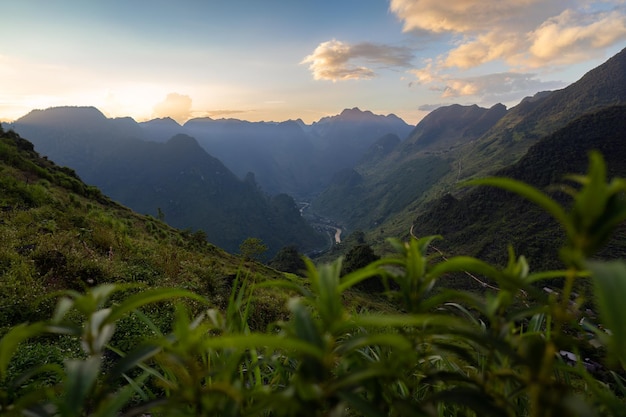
(276, 60)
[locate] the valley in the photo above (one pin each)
(313, 208)
(407, 250)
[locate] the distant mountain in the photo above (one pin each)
(379, 150)
(280, 155)
(448, 126)
(485, 220)
(395, 174)
(191, 188)
(459, 142)
(344, 139)
(74, 136)
(290, 156)
(160, 130)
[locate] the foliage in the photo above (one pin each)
(511, 351)
(288, 259)
(252, 248)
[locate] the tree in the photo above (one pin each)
(359, 257)
(288, 260)
(252, 248)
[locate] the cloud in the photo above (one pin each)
(431, 107)
(523, 34)
(500, 87)
(572, 36)
(177, 106)
(224, 112)
(460, 16)
(335, 60)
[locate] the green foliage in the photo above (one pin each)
(288, 259)
(252, 248)
(439, 352)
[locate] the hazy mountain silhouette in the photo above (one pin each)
(191, 188)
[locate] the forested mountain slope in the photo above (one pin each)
(485, 220)
(459, 142)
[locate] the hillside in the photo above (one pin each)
(59, 233)
(485, 220)
(177, 179)
(160, 349)
(393, 175)
(454, 143)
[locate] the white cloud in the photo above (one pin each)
(500, 87)
(521, 35)
(177, 106)
(461, 16)
(572, 36)
(335, 60)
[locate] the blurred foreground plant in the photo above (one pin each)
(443, 353)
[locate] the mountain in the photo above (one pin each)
(280, 155)
(160, 130)
(524, 124)
(448, 126)
(459, 142)
(191, 188)
(291, 157)
(394, 175)
(59, 233)
(343, 139)
(485, 220)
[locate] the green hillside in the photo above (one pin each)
(205, 335)
(58, 233)
(484, 221)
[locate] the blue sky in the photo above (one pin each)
(279, 60)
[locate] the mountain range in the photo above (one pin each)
(455, 143)
(364, 171)
(154, 168)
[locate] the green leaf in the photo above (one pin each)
(256, 340)
(609, 280)
(389, 339)
(530, 193)
(466, 264)
(304, 325)
(133, 359)
(360, 404)
(80, 379)
(410, 320)
(11, 341)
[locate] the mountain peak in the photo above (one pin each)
(83, 114)
(355, 114)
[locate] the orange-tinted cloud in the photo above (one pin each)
(524, 35)
(335, 60)
(521, 33)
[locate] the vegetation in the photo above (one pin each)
(288, 259)
(252, 248)
(109, 346)
(484, 221)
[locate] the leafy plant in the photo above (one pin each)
(512, 350)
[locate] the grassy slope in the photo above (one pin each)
(485, 220)
(58, 233)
